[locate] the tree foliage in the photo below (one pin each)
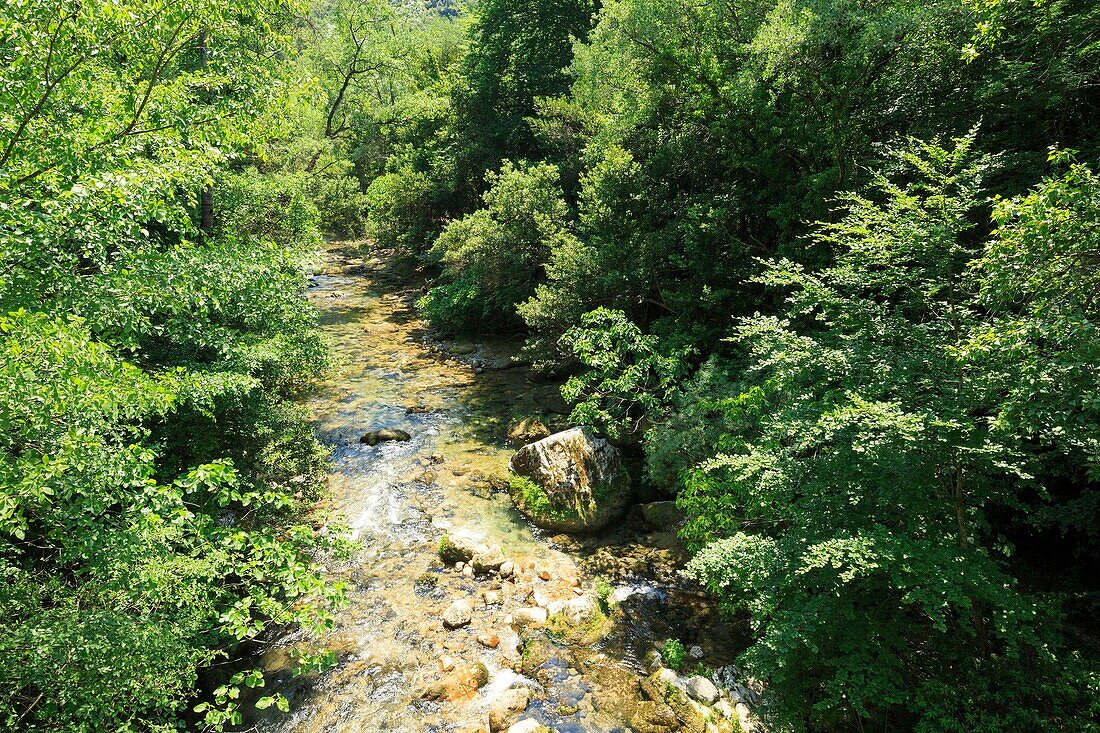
(152, 472)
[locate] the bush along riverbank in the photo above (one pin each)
(154, 470)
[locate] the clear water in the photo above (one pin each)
(399, 498)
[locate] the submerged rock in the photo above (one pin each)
(375, 437)
(571, 481)
(527, 430)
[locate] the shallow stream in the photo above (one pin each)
(400, 498)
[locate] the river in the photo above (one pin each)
(400, 498)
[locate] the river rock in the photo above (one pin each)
(579, 610)
(461, 684)
(527, 430)
(669, 678)
(492, 641)
(571, 481)
(529, 616)
(457, 548)
(375, 437)
(507, 568)
(744, 717)
(458, 614)
(702, 689)
(489, 560)
(665, 686)
(662, 516)
(507, 707)
(528, 725)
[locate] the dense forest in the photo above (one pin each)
(830, 269)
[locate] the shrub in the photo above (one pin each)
(400, 212)
(673, 653)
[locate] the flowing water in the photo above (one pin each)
(400, 498)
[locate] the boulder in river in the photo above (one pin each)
(375, 437)
(571, 481)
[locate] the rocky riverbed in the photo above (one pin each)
(462, 616)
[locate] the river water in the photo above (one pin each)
(400, 498)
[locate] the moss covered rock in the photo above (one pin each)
(571, 481)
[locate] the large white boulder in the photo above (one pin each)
(571, 481)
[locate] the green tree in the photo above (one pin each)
(852, 505)
(520, 51)
(152, 470)
(493, 258)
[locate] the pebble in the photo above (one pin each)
(489, 640)
(446, 664)
(544, 575)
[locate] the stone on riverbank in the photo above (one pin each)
(571, 482)
(662, 516)
(703, 690)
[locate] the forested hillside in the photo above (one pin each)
(829, 269)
